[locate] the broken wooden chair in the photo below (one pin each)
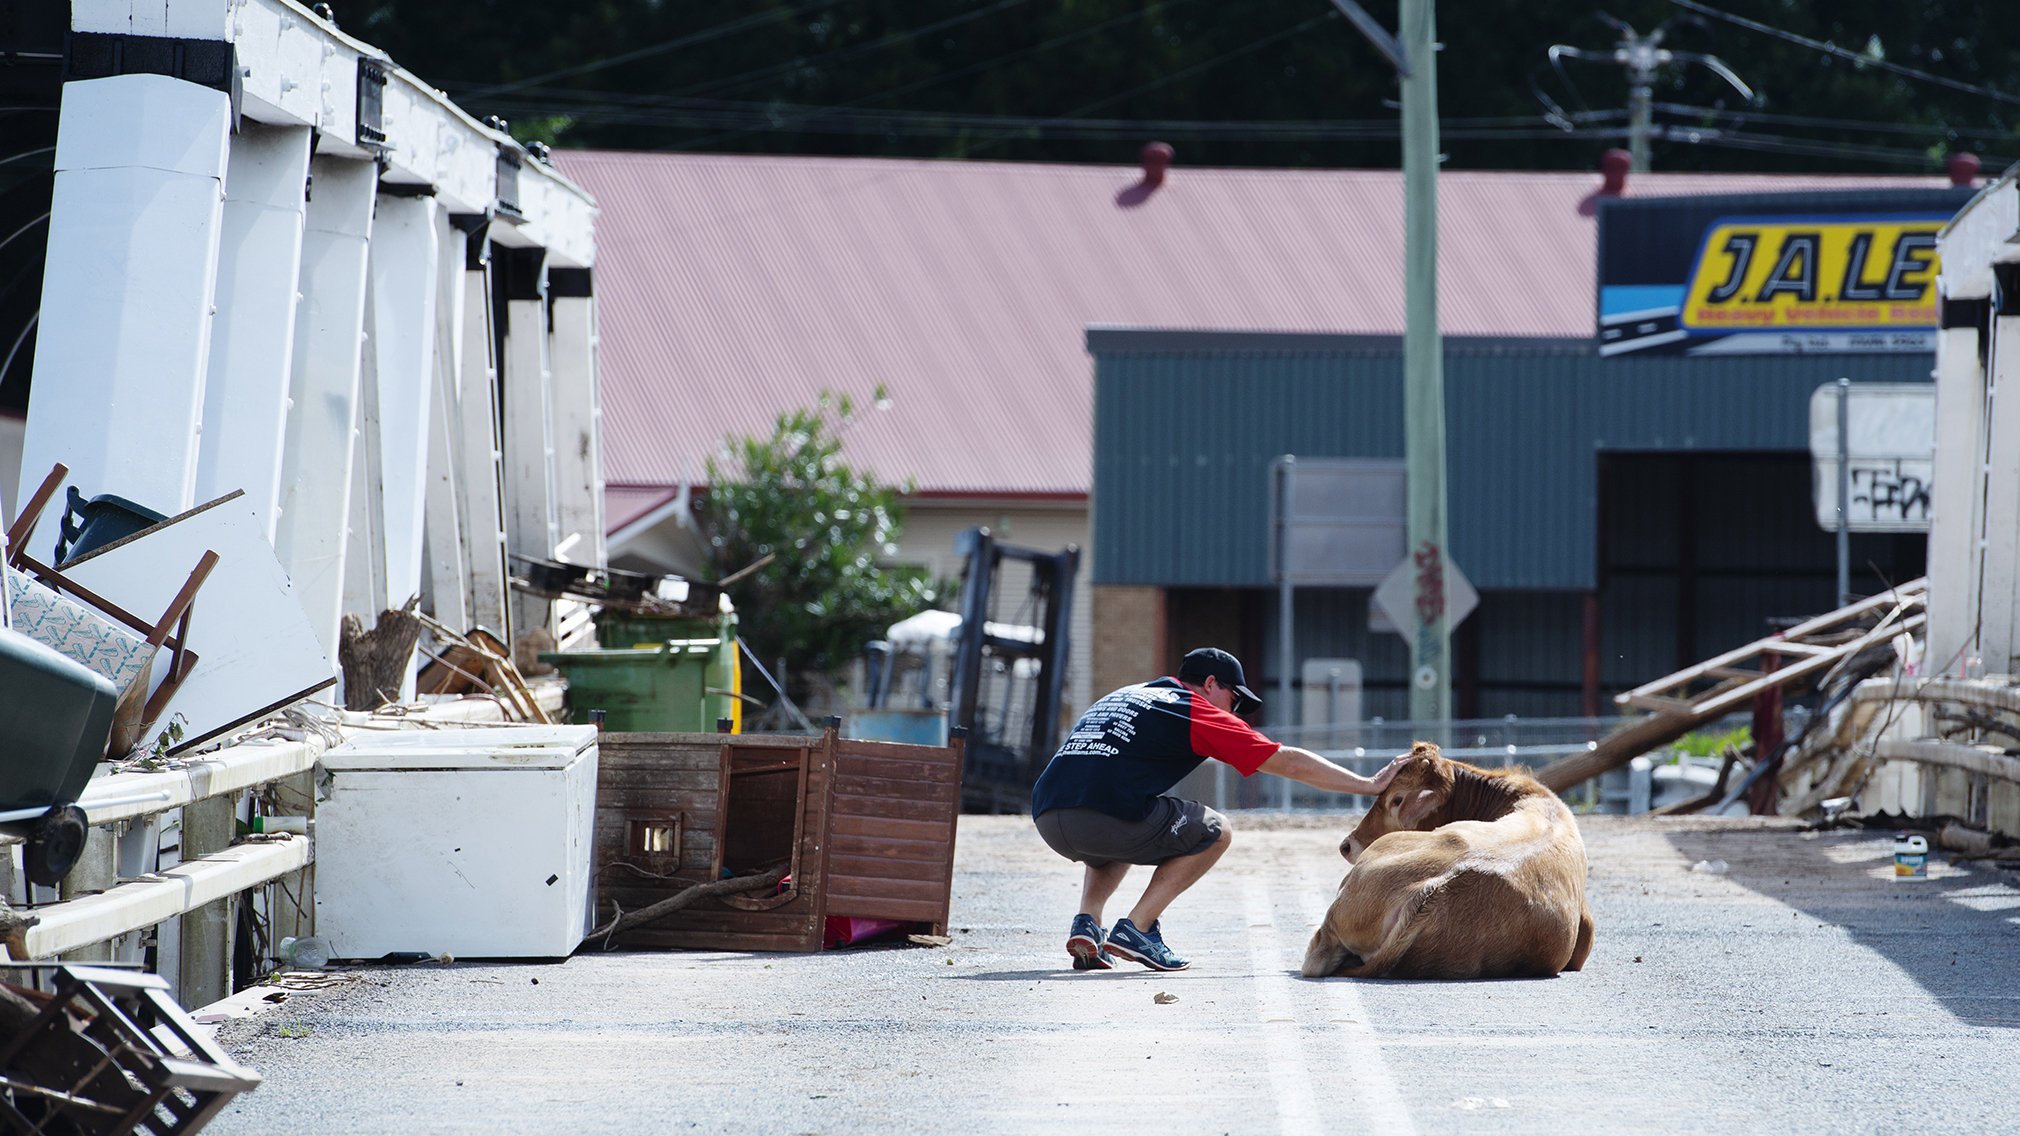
(85, 1060)
(99, 633)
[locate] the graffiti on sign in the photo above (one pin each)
(1430, 583)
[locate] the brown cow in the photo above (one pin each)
(1458, 873)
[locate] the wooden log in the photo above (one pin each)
(375, 662)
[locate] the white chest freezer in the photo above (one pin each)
(475, 842)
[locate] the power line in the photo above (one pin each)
(1006, 57)
(971, 69)
(850, 52)
(1039, 124)
(1196, 68)
(1843, 53)
(716, 32)
(1821, 123)
(697, 114)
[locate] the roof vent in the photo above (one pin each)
(1613, 166)
(1157, 157)
(1963, 168)
(1613, 169)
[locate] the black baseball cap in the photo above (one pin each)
(1212, 661)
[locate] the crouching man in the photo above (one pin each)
(1100, 799)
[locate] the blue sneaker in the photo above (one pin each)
(1146, 947)
(1084, 944)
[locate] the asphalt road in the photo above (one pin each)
(1804, 991)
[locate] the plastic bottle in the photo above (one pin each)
(308, 953)
(1911, 856)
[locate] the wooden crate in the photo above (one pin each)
(866, 829)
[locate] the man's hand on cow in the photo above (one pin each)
(1388, 772)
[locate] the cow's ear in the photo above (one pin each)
(1419, 806)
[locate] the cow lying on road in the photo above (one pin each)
(1458, 873)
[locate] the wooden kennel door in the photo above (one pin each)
(891, 849)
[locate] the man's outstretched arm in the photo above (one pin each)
(1305, 766)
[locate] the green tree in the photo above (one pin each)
(791, 493)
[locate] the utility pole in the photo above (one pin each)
(1424, 366)
(1413, 51)
(1641, 55)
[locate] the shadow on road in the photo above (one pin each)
(1954, 934)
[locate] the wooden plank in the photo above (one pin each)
(896, 789)
(1653, 703)
(805, 942)
(873, 907)
(889, 848)
(842, 862)
(922, 890)
(727, 920)
(898, 770)
(932, 832)
(706, 741)
(895, 751)
(657, 777)
(884, 808)
(1912, 590)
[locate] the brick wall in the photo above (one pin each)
(1129, 633)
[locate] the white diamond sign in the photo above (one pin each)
(1393, 606)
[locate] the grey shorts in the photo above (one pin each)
(1174, 828)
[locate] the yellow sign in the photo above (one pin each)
(1814, 273)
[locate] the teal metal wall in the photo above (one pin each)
(1185, 424)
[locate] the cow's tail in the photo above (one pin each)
(1405, 924)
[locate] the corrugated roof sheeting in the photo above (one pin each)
(734, 287)
(1184, 436)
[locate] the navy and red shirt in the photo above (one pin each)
(1136, 743)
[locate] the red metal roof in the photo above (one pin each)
(623, 504)
(733, 287)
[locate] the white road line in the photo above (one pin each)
(1382, 1105)
(1290, 1076)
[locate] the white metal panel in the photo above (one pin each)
(124, 337)
(405, 248)
(316, 461)
(577, 459)
(1343, 521)
(498, 749)
(195, 19)
(483, 457)
(1975, 239)
(256, 651)
(280, 55)
(143, 121)
(533, 526)
(1892, 455)
(475, 863)
(252, 343)
(444, 533)
(1332, 697)
(106, 17)
(2002, 502)
(150, 17)
(1956, 517)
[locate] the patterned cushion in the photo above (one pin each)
(75, 630)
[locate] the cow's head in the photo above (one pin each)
(1414, 801)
